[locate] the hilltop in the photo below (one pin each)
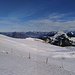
(33, 56)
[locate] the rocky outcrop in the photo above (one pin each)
(59, 39)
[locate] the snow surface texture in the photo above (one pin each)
(34, 57)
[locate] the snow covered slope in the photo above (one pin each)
(34, 57)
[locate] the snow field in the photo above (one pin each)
(33, 57)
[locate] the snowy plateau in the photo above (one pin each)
(32, 56)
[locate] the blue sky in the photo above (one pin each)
(37, 15)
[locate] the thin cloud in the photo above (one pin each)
(56, 16)
(47, 25)
(37, 25)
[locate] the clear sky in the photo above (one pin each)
(37, 15)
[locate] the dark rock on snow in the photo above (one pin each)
(59, 39)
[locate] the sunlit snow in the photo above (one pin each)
(32, 56)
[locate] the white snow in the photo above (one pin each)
(73, 39)
(32, 56)
(31, 39)
(58, 34)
